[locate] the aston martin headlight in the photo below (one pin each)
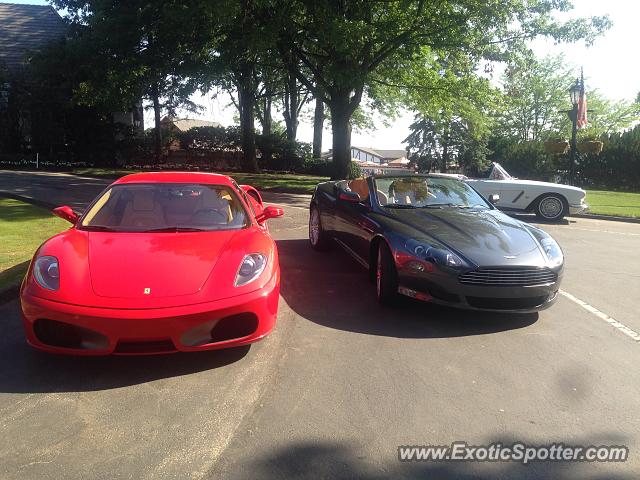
(46, 272)
(552, 251)
(436, 254)
(445, 258)
(251, 267)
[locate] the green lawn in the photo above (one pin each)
(23, 227)
(285, 182)
(614, 203)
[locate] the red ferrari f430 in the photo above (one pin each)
(159, 262)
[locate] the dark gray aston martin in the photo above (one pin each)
(436, 239)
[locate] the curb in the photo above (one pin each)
(609, 218)
(32, 201)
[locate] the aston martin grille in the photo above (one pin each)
(509, 277)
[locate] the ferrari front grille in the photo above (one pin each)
(509, 277)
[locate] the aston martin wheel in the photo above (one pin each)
(551, 207)
(317, 236)
(386, 276)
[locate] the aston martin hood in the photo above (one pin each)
(132, 265)
(485, 237)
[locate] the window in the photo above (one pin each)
(420, 191)
(143, 207)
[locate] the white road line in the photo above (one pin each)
(603, 316)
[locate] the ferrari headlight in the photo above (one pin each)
(552, 251)
(251, 267)
(436, 254)
(46, 272)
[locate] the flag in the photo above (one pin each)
(582, 107)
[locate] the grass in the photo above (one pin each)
(283, 182)
(23, 227)
(621, 204)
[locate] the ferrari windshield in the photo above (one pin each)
(426, 192)
(165, 207)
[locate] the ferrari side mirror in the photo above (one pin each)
(351, 197)
(66, 213)
(270, 212)
(494, 198)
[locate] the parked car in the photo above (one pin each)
(159, 262)
(436, 239)
(549, 201)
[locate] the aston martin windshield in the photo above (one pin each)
(165, 207)
(426, 192)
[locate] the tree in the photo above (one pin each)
(535, 98)
(347, 47)
(138, 49)
(446, 141)
(606, 117)
(318, 126)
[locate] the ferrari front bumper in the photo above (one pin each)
(80, 330)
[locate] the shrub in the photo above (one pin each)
(355, 171)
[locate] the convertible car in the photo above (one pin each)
(437, 240)
(549, 201)
(158, 263)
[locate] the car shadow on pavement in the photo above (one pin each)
(342, 461)
(331, 289)
(26, 370)
(530, 218)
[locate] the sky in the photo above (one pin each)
(610, 66)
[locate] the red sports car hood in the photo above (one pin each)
(143, 265)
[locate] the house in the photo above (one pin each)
(184, 124)
(173, 126)
(377, 156)
(375, 161)
(24, 30)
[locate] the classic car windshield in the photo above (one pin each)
(423, 192)
(165, 207)
(499, 173)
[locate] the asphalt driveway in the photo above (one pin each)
(341, 383)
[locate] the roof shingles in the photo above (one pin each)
(25, 28)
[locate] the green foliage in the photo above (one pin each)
(607, 117)
(444, 142)
(205, 139)
(535, 99)
(351, 48)
(277, 153)
(527, 160)
(355, 171)
(617, 167)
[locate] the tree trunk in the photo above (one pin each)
(246, 99)
(266, 119)
(318, 126)
(341, 129)
(267, 153)
(157, 131)
(446, 138)
(291, 103)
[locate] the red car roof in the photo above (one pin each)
(176, 177)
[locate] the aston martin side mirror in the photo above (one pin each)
(494, 198)
(66, 213)
(351, 197)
